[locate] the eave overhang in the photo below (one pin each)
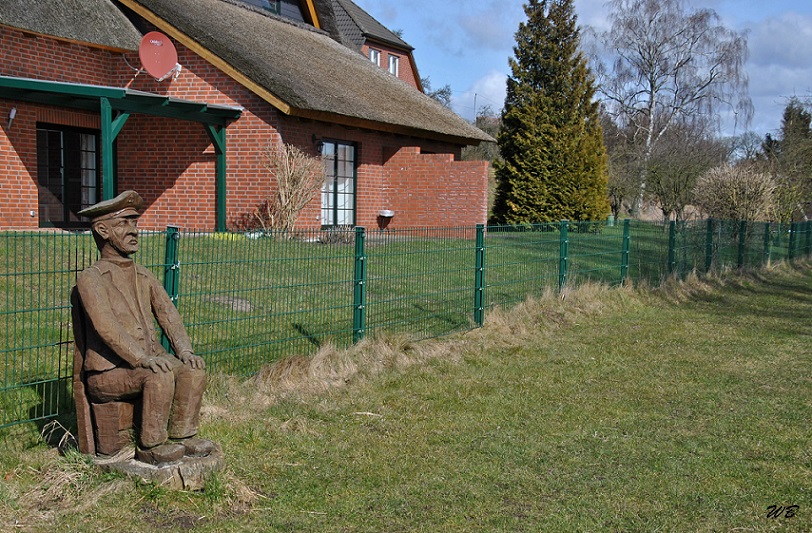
(88, 97)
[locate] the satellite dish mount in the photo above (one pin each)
(158, 56)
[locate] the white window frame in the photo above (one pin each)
(375, 56)
(394, 65)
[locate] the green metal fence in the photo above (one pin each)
(248, 300)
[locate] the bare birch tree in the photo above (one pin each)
(662, 64)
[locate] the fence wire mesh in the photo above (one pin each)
(250, 299)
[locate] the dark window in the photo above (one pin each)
(67, 169)
(270, 5)
(338, 193)
(287, 8)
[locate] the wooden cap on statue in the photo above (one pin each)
(127, 203)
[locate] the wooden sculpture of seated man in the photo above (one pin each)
(122, 361)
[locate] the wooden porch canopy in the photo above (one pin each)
(115, 105)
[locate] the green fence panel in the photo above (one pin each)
(522, 261)
(420, 280)
(595, 253)
(648, 256)
(248, 300)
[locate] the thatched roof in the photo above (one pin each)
(97, 22)
(302, 71)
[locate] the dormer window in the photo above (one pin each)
(394, 62)
(274, 6)
(375, 56)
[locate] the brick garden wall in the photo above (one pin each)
(434, 190)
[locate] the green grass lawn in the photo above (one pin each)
(686, 409)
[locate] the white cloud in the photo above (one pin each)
(785, 40)
(779, 66)
(488, 90)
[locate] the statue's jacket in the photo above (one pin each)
(120, 298)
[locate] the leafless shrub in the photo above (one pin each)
(740, 192)
(298, 175)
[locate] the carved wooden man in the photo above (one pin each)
(123, 359)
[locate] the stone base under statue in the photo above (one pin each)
(188, 473)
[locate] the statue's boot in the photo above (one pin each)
(197, 447)
(163, 453)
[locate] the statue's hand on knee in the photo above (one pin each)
(156, 364)
(194, 361)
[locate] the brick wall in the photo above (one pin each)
(30, 56)
(405, 71)
(434, 190)
(172, 162)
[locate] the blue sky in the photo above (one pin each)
(466, 44)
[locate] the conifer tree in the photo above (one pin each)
(554, 161)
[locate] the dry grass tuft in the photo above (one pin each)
(552, 311)
(331, 368)
(64, 484)
(676, 291)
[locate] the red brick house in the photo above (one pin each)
(81, 121)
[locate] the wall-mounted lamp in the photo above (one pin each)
(317, 143)
(11, 115)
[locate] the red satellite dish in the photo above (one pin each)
(158, 55)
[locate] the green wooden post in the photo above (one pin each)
(709, 246)
(808, 246)
(563, 256)
(793, 240)
(171, 272)
(625, 251)
(742, 243)
(360, 290)
(217, 136)
(672, 247)
(479, 277)
(765, 257)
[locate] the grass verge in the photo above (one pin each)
(681, 409)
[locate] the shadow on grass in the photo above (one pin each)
(769, 295)
(307, 334)
(54, 415)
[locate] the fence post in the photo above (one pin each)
(625, 251)
(767, 240)
(808, 237)
(742, 242)
(709, 246)
(479, 277)
(171, 272)
(672, 246)
(359, 290)
(793, 240)
(563, 255)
